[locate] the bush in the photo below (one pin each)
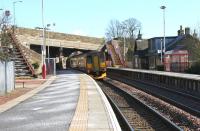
(194, 69)
(35, 65)
(160, 67)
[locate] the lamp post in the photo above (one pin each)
(48, 25)
(14, 11)
(163, 8)
(43, 45)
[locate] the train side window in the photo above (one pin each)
(89, 59)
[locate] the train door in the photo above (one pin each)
(96, 64)
(102, 60)
(89, 64)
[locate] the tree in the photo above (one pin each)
(127, 29)
(114, 30)
(131, 26)
(4, 38)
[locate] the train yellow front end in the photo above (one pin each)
(92, 63)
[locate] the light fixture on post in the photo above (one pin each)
(43, 45)
(48, 25)
(163, 41)
(14, 12)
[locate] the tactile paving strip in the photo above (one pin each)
(79, 122)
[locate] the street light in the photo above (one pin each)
(14, 11)
(163, 50)
(48, 25)
(44, 45)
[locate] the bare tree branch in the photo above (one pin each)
(128, 28)
(114, 29)
(132, 26)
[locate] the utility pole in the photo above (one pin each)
(163, 8)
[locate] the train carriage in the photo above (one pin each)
(92, 63)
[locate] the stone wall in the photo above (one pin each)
(33, 37)
(60, 36)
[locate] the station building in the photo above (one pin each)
(148, 52)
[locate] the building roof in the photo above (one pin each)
(172, 43)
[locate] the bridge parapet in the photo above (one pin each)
(31, 36)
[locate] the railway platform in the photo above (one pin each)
(70, 101)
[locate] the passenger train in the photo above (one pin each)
(93, 63)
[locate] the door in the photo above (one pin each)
(96, 63)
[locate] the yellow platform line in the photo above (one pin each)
(79, 121)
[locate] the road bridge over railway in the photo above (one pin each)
(32, 38)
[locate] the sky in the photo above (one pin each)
(92, 17)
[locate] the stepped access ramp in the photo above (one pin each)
(23, 58)
(114, 50)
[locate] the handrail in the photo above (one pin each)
(15, 41)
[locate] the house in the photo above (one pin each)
(149, 56)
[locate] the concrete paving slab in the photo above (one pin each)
(51, 109)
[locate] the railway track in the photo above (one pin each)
(182, 100)
(138, 115)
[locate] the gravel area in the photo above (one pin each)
(178, 116)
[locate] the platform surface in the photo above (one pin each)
(73, 101)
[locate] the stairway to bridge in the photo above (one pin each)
(112, 47)
(22, 58)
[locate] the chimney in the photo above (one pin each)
(187, 31)
(181, 31)
(139, 36)
(195, 34)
